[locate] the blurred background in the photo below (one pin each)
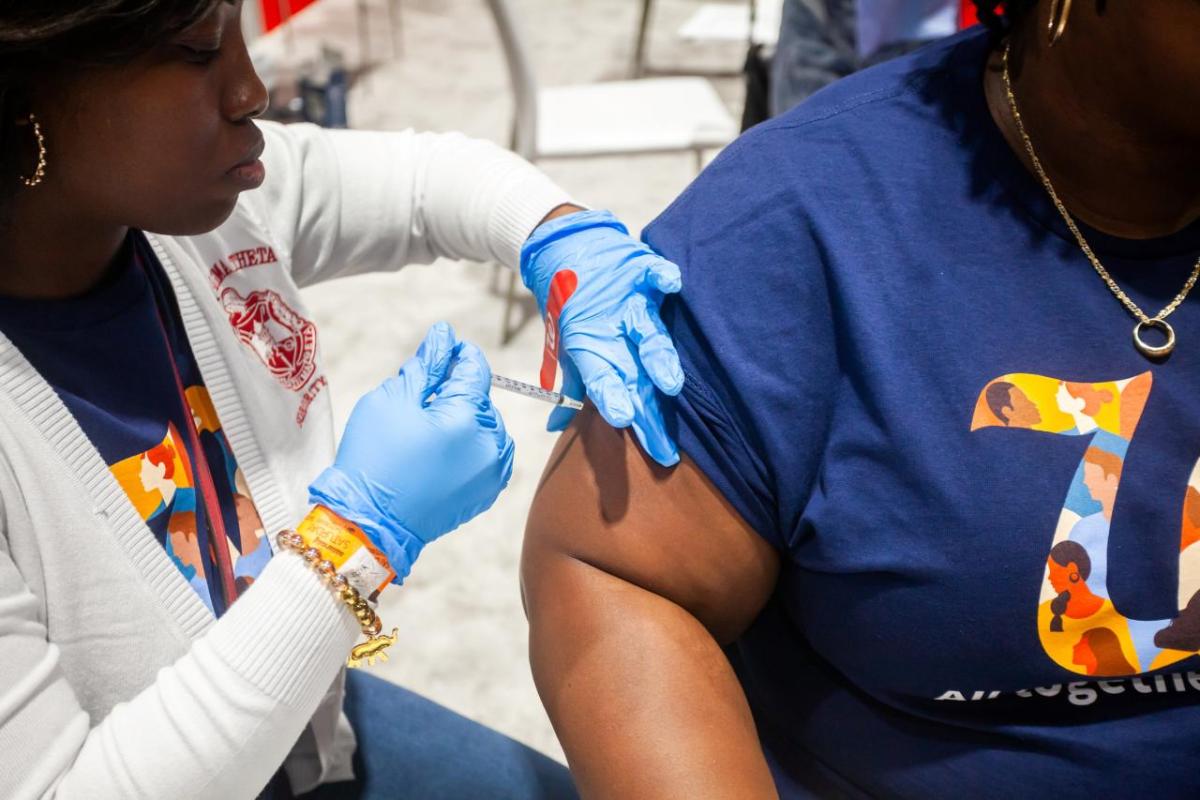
(441, 65)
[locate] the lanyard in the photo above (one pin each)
(200, 468)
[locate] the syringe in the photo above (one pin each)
(536, 392)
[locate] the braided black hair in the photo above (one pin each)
(1064, 553)
(38, 37)
(999, 16)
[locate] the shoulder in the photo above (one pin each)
(603, 503)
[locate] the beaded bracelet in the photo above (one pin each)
(377, 643)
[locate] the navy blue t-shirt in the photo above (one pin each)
(106, 356)
(905, 375)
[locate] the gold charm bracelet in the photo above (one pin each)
(377, 643)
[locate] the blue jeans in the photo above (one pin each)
(817, 47)
(410, 747)
(814, 50)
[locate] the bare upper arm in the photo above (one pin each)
(668, 531)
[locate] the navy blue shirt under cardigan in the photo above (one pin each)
(106, 356)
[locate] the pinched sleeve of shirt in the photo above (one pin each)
(755, 330)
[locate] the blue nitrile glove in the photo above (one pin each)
(612, 340)
(410, 469)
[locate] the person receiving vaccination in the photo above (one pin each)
(936, 530)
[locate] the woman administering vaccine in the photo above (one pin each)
(187, 564)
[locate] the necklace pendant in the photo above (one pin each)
(1151, 351)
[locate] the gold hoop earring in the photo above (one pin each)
(39, 172)
(1060, 12)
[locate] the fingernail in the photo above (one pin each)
(621, 412)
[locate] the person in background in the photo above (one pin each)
(844, 590)
(821, 41)
(186, 562)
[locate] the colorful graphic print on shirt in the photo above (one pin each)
(161, 485)
(1078, 625)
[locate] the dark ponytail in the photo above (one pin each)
(1058, 607)
(1064, 553)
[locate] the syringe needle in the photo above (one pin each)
(536, 392)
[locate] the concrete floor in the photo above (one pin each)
(463, 633)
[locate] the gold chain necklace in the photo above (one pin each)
(1159, 320)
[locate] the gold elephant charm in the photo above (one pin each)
(371, 649)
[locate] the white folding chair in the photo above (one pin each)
(395, 28)
(756, 22)
(748, 21)
(658, 115)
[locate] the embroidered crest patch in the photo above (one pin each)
(284, 341)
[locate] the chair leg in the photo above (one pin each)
(396, 24)
(285, 18)
(507, 329)
(639, 49)
(364, 33)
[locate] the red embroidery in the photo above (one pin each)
(250, 257)
(310, 395)
(284, 341)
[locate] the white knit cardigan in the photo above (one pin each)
(115, 681)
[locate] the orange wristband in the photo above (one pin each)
(349, 549)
